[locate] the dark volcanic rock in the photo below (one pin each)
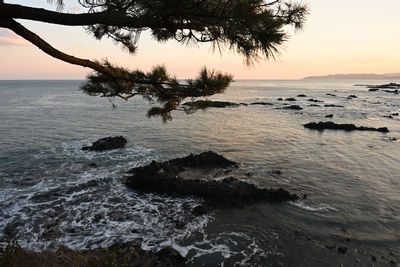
(392, 91)
(280, 99)
(315, 100)
(347, 127)
(211, 104)
(295, 107)
(301, 95)
(329, 116)
(290, 99)
(329, 94)
(386, 86)
(333, 106)
(352, 96)
(165, 178)
(107, 143)
(313, 105)
(261, 103)
(373, 89)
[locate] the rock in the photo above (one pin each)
(329, 116)
(301, 95)
(261, 103)
(342, 250)
(395, 114)
(333, 106)
(290, 99)
(373, 89)
(347, 127)
(352, 96)
(93, 165)
(107, 143)
(280, 99)
(329, 94)
(392, 91)
(313, 105)
(389, 116)
(385, 86)
(165, 178)
(211, 104)
(314, 100)
(295, 107)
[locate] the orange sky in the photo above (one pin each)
(341, 36)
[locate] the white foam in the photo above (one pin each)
(319, 208)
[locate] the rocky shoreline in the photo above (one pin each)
(126, 254)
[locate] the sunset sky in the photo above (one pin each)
(341, 36)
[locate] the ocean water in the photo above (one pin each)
(49, 195)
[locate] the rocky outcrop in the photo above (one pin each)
(126, 254)
(107, 143)
(261, 103)
(346, 127)
(333, 106)
(385, 86)
(294, 107)
(211, 104)
(314, 100)
(166, 178)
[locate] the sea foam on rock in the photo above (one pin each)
(174, 178)
(107, 143)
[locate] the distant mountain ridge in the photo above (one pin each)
(371, 76)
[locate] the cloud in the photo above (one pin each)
(8, 38)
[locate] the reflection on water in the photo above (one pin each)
(49, 195)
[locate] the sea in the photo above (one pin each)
(51, 194)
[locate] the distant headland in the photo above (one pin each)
(386, 76)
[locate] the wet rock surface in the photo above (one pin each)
(347, 127)
(107, 143)
(165, 178)
(211, 104)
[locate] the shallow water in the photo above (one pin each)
(50, 196)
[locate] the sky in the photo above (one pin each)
(340, 36)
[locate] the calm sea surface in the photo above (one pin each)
(50, 196)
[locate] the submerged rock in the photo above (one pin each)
(168, 178)
(347, 127)
(211, 104)
(107, 143)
